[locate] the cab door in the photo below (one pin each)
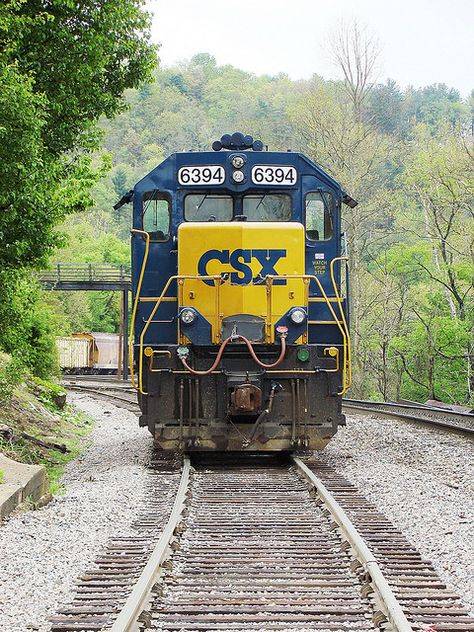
(322, 245)
(153, 215)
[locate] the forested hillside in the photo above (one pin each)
(406, 156)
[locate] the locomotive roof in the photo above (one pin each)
(163, 176)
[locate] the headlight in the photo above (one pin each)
(238, 176)
(238, 161)
(297, 316)
(187, 316)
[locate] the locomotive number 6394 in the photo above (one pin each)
(272, 174)
(240, 333)
(208, 174)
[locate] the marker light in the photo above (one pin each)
(187, 316)
(297, 316)
(238, 176)
(238, 162)
(303, 354)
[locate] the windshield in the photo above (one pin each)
(208, 208)
(267, 207)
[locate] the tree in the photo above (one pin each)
(355, 52)
(438, 181)
(360, 157)
(62, 65)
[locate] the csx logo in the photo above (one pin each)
(239, 259)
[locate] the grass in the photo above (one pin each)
(2, 476)
(34, 410)
(78, 426)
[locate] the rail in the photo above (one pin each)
(136, 601)
(428, 415)
(392, 609)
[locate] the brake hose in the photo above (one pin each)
(250, 348)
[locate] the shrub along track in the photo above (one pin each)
(256, 547)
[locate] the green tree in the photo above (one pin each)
(62, 65)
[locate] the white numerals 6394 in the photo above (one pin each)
(212, 174)
(272, 174)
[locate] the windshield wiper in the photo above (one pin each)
(261, 201)
(204, 197)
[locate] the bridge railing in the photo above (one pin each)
(86, 272)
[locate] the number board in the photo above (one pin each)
(206, 174)
(272, 174)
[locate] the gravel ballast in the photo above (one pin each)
(42, 552)
(422, 480)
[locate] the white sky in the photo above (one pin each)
(422, 41)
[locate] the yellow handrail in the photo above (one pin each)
(135, 304)
(179, 278)
(345, 335)
(342, 328)
(306, 278)
(144, 330)
(343, 316)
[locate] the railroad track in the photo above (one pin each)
(258, 543)
(122, 396)
(425, 415)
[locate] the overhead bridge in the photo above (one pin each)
(94, 277)
(86, 276)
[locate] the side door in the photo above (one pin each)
(154, 217)
(322, 245)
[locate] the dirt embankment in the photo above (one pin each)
(37, 427)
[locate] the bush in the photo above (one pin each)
(11, 374)
(28, 324)
(51, 395)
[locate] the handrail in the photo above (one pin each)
(87, 272)
(136, 301)
(307, 278)
(176, 277)
(342, 328)
(343, 316)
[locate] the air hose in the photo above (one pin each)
(282, 332)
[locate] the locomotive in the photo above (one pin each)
(240, 321)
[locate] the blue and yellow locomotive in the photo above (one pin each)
(240, 334)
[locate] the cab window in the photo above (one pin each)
(208, 208)
(156, 216)
(267, 207)
(319, 221)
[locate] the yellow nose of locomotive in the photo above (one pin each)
(245, 261)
